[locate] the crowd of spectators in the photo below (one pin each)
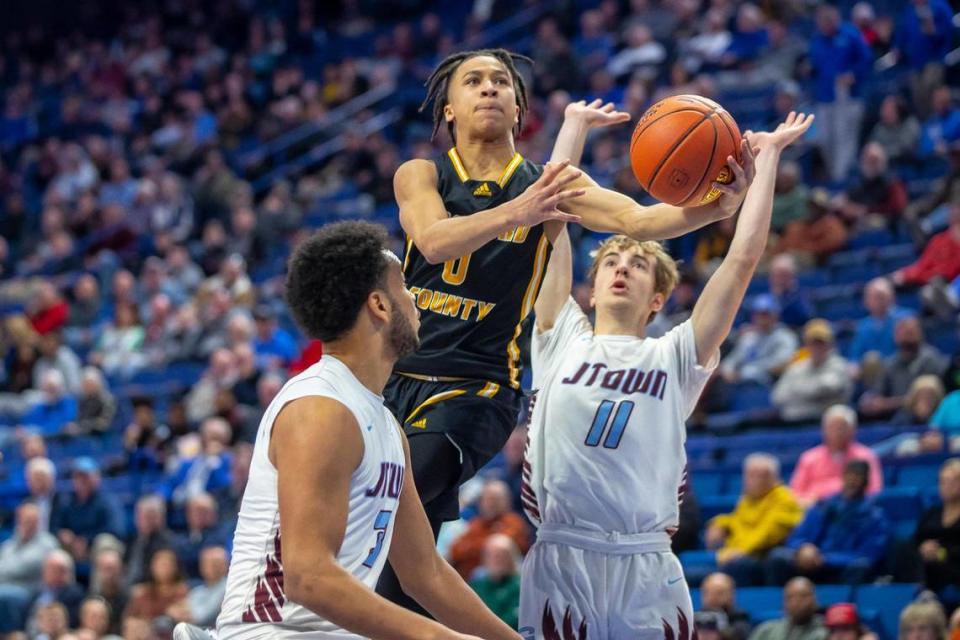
(144, 226)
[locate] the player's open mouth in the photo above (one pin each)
(619, 286)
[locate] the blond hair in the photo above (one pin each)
(924, 383)
(666, 274)
(927, 614)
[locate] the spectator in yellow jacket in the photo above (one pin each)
(764, 516)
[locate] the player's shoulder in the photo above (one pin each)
(416, 172)
(677, 333)
(326, 377)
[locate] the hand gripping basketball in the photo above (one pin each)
(541, 200)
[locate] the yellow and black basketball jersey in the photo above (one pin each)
(473, 308)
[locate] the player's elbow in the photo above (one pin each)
(430, 248)
(744, 262)
(432, 255)
(420, 582)
(307, 586)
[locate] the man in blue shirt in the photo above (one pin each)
(924, 36)
(840, 60)
(874, 333)
(86, 513)
(841, 539)
(795, 306)
(272, 344)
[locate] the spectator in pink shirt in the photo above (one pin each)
(819, 474)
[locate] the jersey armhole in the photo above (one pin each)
(330, 396)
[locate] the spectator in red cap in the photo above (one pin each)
(843, 623)
(48, 310)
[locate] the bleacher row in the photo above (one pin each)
(879, 605)
(910, 487)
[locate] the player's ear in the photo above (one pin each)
(657, 302)
(516, 114)
(593, 298)
(378, 302)
(448, 112)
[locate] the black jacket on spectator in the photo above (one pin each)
(189, 546)
(140, 552)
(940, 574)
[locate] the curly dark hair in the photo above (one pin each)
(330, 275)
(439, 82)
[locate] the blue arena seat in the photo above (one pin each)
(714, 505)
(709, 483)
(886, 601)
(747, 396)
(901, 503)
(762, 603)
(828, 594)
(918, 475)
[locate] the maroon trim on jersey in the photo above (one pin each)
(528, 498)
(684, 632)
(268, 597)
(548, 626)
(684, 485)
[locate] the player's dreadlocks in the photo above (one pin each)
(438, 83)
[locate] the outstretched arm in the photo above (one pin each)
(717, 306)
(441, 237)
(578, 119)
(605, 210)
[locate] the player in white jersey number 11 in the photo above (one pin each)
(605, 459)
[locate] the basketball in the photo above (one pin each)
(680, 148)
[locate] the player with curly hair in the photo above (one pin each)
(330, 479)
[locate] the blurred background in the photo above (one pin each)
(159, 160)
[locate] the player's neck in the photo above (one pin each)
(485, 159)
(367, 362)
(617, 322)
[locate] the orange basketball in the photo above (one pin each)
(680, 147)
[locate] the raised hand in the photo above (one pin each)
(732, 194)
(540, 201)
(786, 133)
(596, 114)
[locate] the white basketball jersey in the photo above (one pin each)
(255, 605)
(605, 450)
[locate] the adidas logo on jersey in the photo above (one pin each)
(420, 424)
(483, 191)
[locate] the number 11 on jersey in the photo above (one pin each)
(602, 417)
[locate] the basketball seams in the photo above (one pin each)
(683, 148)
(733, 138)
(647, 125)
(679, 141)
(706, 169)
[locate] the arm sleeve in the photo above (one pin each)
(692, 376)
(571, 324)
